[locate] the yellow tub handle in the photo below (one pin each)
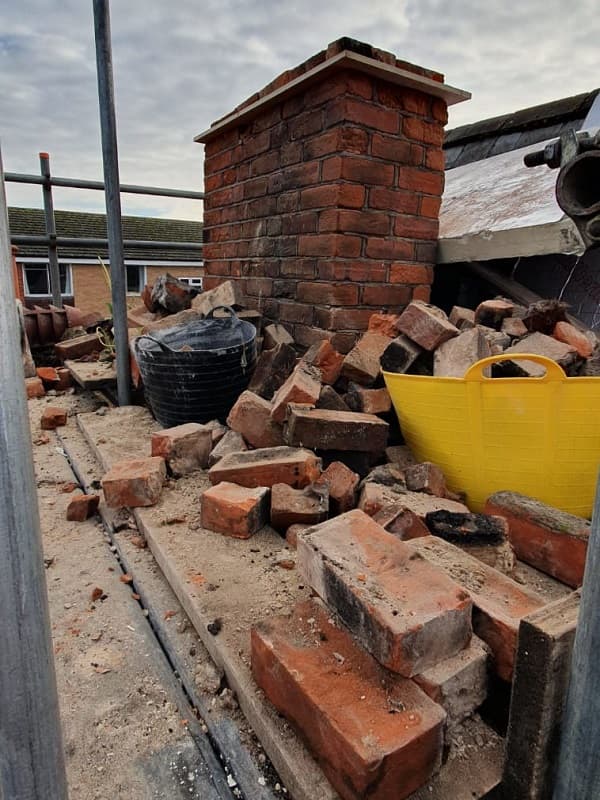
(554, 372)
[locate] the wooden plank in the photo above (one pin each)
(241, 582)
(92, 374)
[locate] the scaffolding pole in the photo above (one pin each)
(110, 158)
(50, 230)
(32, 763)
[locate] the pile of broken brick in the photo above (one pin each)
(414, 603)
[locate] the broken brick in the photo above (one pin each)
(82, 507)
(228, 293)
(52, 418)
(78, 347)
(371, 580)
(499, 602)
(491, 313)
(376, 497)
(63, 375)
(291, 535)
(274, 335)
(185, 448)
(264, 467)
(331, 400)
(514, 327)
(401, 455)
(376, 735)
(462, 318)
(48, 375)
(542, 345)
(550, 540)
(235, 511)
(134, 483)
(459, 684)
(272, 370)
(326, 359)
(369, 401)
(342, 483)
(385, 324)
(298, 506)
(337, 430)
(427, 478)
(426, 325)
(232, 442)
(217, 430)
(568, 334)
(400, 355)
(34, 388)
(251, 416)
(404, 524)
(362, 364)
(454, 357)
(303, 386)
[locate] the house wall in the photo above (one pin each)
(325, 206)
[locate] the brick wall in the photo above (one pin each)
(325, 204)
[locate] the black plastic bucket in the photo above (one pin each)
(203, 380)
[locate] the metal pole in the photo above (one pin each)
(578, 773)
(77, 183)
(32, 764)
(110, 158)
(50, 231)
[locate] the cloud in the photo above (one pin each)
(180, 66)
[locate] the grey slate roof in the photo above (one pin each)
(76, 223)
(522, 128)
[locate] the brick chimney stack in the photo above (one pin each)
(323, 191)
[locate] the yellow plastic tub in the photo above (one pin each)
(537, 436)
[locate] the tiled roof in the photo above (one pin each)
(75, 223)
(522, 128)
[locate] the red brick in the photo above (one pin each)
(362, 364)
(369, 401)
(306, 124)
(322, 429)
(422, 293)
(513, 327)
(296, 312)
(291, 535)
(329, 244)
(264, 467)
(540, 344)
(48, 375)
(421, 131)
(410, 274)
(360, 170)
(439, 109)
(185, 448)
(235, 511)
(303, 386)
(290, 506)
(134, 483)
(81, 346)
(391, 148)
(326, 359)
(420, 180)
(343, 319)
(53, 417)
(389, 249)
(385, 296)
(272, 369)
(491, 313)
(426, 325)
(394, 200)
(458, 684)
(567, 333)
(460, 316)
(430, 206)
(251, 416)
(306, 336)
(298, 268)
(370, 223)
(351, 196)
(319, 196)
(82, 507)
(416, 227)
(365, 575)
(231, 442)
(317, 676)
(426, 477)
(404, 524)
(384, 324)
(340, 294)
(550, 540)
(435, 159)
(375, 497)
(499, 602)
(34, 387)
(352, 271)
(342, 483)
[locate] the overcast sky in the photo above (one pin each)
(180, 64)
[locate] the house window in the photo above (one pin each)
(195, 282)
(36, 279)
(136, 278)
